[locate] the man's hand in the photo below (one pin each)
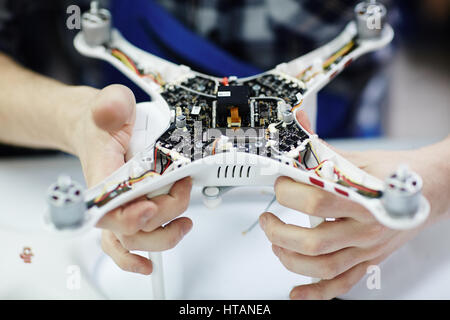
(96, 126)
(340, 251)
(100, 139)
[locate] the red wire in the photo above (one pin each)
(167, 166)
(129, 60)
(359, 187)
(154, 158)
(108, 193)
(317, 165)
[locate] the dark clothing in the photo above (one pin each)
(262, 33)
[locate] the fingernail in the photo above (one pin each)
(263, 221)
(297, 295)
(186, 228)
(276, 250)
(278, 181)
(142, 270)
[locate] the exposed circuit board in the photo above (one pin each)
(240, 110)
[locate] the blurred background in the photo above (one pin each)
(419, 99)
(399, 92)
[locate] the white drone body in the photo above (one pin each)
(396, 203)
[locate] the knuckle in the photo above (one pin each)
(330, 270)
(315, 200)
(129, 225)
(375, 231)
(287, 261)
(127, 242)
(313, 246)
(184, 204)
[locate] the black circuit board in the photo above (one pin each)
(270, 85)
(196, 98)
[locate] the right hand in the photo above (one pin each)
(101, 140)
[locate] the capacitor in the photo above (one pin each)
(288, 117)
(96, 25)
(181, 121)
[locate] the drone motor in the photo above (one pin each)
(403, 191)
(66, 204)
(370, 19)
(96, 25)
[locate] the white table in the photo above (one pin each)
(214, 261)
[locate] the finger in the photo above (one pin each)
(327, 266)
(170, 205)
(114, 107)
(329, 289)
(303, 119)
(161, 239)
(325, 238)
(122, 257)
(130, 218)
(316, 202)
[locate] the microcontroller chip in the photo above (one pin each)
(233, 96)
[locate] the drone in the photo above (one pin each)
(230, 132)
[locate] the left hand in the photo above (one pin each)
(338, 252)
(101, 140)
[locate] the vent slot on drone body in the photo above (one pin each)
(234, 172)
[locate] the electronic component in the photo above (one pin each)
(96, 25)
(370, 19)
(66, 204)
(232, 105)
(288, 117)
(402, 193)
(181, 121)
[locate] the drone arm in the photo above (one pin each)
(146, 70)
(317, 68)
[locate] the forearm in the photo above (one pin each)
(36, 111)
(432, 163)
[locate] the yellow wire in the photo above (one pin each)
(105, 188)
(123, 59)
(318, 168)
(137, 179)
(297, 105)
(312, 76)
(345, 49)
(131, 180)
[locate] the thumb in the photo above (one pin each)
(303, 119)
(114, 107)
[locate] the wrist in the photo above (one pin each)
(432, 165)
